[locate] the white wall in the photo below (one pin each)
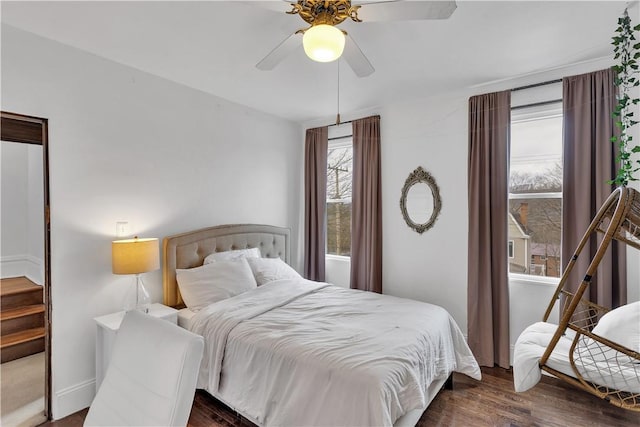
(14, 205)
(22, 247)
(338, 270)
(126, 145)
(430, 267)
(633, 255)
(35, 213)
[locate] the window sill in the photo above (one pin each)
(338, 258)
(533, 280)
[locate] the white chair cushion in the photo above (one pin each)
(152, 376)
(621, 326)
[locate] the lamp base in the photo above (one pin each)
(142, 296)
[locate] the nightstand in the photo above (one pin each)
(108, 329)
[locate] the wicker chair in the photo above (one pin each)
(595, 360)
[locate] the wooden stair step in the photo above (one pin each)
(22, 313)
(21, 337)
(21, 348)
(17, 285)
(26, 310)
(19, 291)
(21, 318)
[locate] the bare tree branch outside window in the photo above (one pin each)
(339, 170)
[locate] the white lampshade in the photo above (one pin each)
(134, 256)
(323, 43)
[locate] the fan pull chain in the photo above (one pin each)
(338, 97)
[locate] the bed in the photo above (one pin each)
(297, 352)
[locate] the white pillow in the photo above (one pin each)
(214, 282)
(232, 255)
(270, 269)
(621, 326)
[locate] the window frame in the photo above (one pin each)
(537, 112)
(345, 141)
(511, 249)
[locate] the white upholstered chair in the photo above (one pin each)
(151, 378)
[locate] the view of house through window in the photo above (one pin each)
(339, 168)
(535, 191)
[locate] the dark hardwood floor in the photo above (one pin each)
(491, 402)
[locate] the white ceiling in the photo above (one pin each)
(213, 46)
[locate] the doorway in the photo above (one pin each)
(26, 138)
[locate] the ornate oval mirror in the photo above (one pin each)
(420, 200)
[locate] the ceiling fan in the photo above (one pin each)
(323, 41)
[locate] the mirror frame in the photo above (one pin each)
(420, 176)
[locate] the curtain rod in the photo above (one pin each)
(350, 121)
(335, 138)
(340, 123)
(550, 82)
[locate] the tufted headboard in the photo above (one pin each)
(188, 250)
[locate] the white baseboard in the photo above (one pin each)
(13, 266)
(35, 270)
(22, 265)
(73, 399)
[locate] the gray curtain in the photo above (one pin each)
(488, 282)
(315, 201)
(366, 206)
(589, 162)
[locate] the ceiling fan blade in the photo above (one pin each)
(405, 10)
(280, 52)
(274, 5)
(356, 59)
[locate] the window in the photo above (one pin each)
(339, 169)
(535, 190)
(511, 249)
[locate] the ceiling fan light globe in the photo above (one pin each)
(323, 43)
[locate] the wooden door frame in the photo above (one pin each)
(34, 130)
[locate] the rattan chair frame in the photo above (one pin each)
(618, 219)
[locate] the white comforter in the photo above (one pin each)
(296, 352)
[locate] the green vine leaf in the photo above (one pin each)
(626, 52)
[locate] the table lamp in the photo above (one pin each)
(136, 256)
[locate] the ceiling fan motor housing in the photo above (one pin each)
(316, 12)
